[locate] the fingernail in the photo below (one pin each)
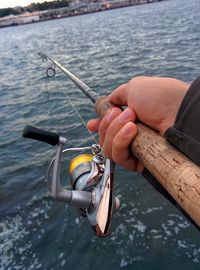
(112, 115)
(127, 130)
(126, 115)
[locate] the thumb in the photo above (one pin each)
(119, 95)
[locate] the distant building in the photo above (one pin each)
(19, 19)
(75, 7)
(18, 9)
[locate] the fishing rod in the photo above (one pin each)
(101, 103)
(91, 174)
(89, 92)
(93, 195)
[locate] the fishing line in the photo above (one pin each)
(79, 115)
(50, 73)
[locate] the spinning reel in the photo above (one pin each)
(91, 177)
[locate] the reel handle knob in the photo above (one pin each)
(41, 135)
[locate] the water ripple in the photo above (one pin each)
(105, 49)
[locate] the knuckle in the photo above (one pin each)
(107, 153)
(102, 128)
(116, 153)
(116, 144)
(138, 79)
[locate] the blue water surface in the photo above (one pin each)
(105, 49)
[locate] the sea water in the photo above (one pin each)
(105, 50)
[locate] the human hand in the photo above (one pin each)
(153, 101)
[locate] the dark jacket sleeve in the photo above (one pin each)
(185, 134)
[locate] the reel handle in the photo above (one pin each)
(41, 135)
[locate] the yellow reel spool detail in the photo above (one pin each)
(79, 160)
(79, 169)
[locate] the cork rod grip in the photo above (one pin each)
(173, 170)
(102, 105)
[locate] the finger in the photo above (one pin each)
(139, 167)
(93, 124)
(119, 95)
(126, 116)
(106, 121)
(121, 153)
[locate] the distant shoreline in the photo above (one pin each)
(60, 13)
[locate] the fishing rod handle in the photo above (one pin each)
(41, 135)
(173, 170)
(102, 105)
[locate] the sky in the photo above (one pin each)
(22, 3)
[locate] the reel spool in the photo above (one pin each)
(79, 170)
